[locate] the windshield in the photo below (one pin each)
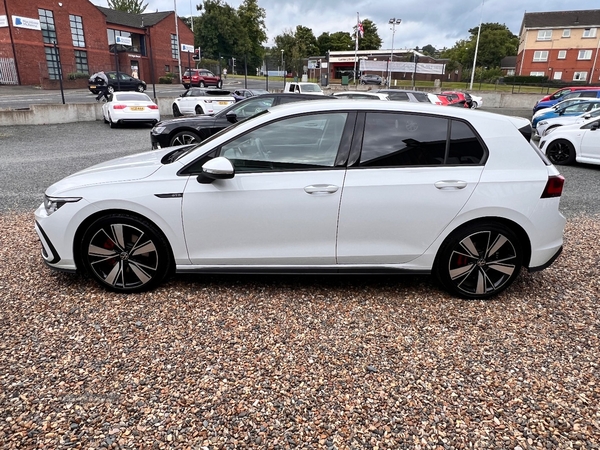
(247, 108)
(310, 88)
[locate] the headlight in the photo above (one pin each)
(158, 130)
(543, 122)
(549, 130)
(52, 204)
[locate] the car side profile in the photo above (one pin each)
(120, 81)
(370, 78)
(579, 142)
(328, 187)
(361, 95)
(405, 95)
(200, 78)
(201, 101)
(587, 93)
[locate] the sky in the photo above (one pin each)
(440, 23)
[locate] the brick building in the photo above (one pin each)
(35, 37)
(562, 45)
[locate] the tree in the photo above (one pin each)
(252, 20)
(296, 45)
(306, 41)
(429, 50)
(370, 39)
(130, 6)
(219, 30)
(324, 43)
(341, 40)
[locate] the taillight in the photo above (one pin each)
(554, 186)
(153, 106)
(119, 106)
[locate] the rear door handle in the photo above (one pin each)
(321, 189)
(450, 184)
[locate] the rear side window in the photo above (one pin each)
(592, 94)
(399, 139)
(421, 97)
(399, 96)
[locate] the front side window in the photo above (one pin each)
(77, 31)
(562, 54)
(296, 143)
(174, 47)
(544, 35)
(47, 24)
(589, 33)
(81, 61)
(540, 55)
(584, 54)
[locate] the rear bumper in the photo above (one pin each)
(548, 263)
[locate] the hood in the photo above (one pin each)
(127, 168)
(190, 121)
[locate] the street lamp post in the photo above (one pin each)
(283, 68)
(393, 22)
(476, 47)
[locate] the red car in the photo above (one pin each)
(457, 98)
(200, 78)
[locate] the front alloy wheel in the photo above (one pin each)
(125, 254)
(561, 152)
(183, 138)
(479, 261)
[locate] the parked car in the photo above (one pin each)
(370, 78)
(589, 92)
(405, 95)
(545, 126)
(303, 87)
(129, 107)
(458, 98)
(195, 129)
(201, 101)
(123, 82)
(575, 109)
(241, 94)
(361, 95)
(558, 105)
(200, 78)
(476, 101)
(578, 142)
(341, 186)
(558, 95)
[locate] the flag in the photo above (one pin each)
(361, 30)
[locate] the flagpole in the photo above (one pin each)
(356, 46)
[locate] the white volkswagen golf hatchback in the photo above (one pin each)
(316, 187)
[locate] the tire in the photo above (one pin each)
(105, 121)
(112, 124)
(561, 152)
(186, 86)
(220, 84)
(140, 88)
(199, 109)
(201, 84)
(184, 137)
(473, 105)
(110, 89)
(176, 112)
(465, 267)
(124, 253)
(95, 92)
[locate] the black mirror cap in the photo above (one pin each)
(231, 117)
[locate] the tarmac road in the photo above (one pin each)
(34, 157)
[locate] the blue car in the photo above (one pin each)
(571, 110)
(588, 94)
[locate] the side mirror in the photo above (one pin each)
(219, 168)
(595, 126)
(181, 95)
(231, 117)
(587, 116)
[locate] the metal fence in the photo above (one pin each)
(8, 71)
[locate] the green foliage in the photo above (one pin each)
(429, 50)
(130, 6)
(165, 80)
(525, 80)
(341, 41)
(78, 75)
(324, 43)
(252, 19)
(371, 39)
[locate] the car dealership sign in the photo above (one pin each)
(3, 21)
(26, 22)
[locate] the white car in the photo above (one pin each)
(359, 95)
(130, 107)
(544, 126)
(558, 106)
(577, 142)
(303, 87)
(344, 186)
(476, 101)
(202, 101)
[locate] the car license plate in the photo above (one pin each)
(223, 103)
(92, 86)
(136, 108)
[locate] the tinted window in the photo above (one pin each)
(400, 96)
(421, 97)
(464, 147)
(294, 143)
(593, 94)
(397, 139)
(591, 125)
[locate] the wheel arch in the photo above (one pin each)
(83, 226)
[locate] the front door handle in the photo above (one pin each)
(321, 189)
(450, 184)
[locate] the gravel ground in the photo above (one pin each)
(298, 362)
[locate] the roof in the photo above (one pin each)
(508, 62)
(562, 19)
(133, 20)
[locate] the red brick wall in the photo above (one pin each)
(567, 66)
(160, 36)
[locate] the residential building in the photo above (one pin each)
(42, 40)
(562, 45)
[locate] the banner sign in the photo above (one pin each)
(123, 40)
(26, 22)
(3, 21)
(187, 48)
(401, 66)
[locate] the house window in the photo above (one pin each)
(566, 33)
(557, 75)
(510, 72)
(174, 47)
(540, 55)
(47, 24)
(53, 62)
(77, 31)
(544, 35)
(584, 54)
(579, 76)
(562, 54)
(536, 74)
(589, 33)
(81, 61)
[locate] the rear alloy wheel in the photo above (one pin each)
(176, 112)
(110, 89)
(140, 88)
(202, 84)
(183, 138)
(125, 253)
(199, 109)
(479, 261)
(561, 152)
(473, 105)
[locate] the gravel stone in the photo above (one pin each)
(283, 362)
